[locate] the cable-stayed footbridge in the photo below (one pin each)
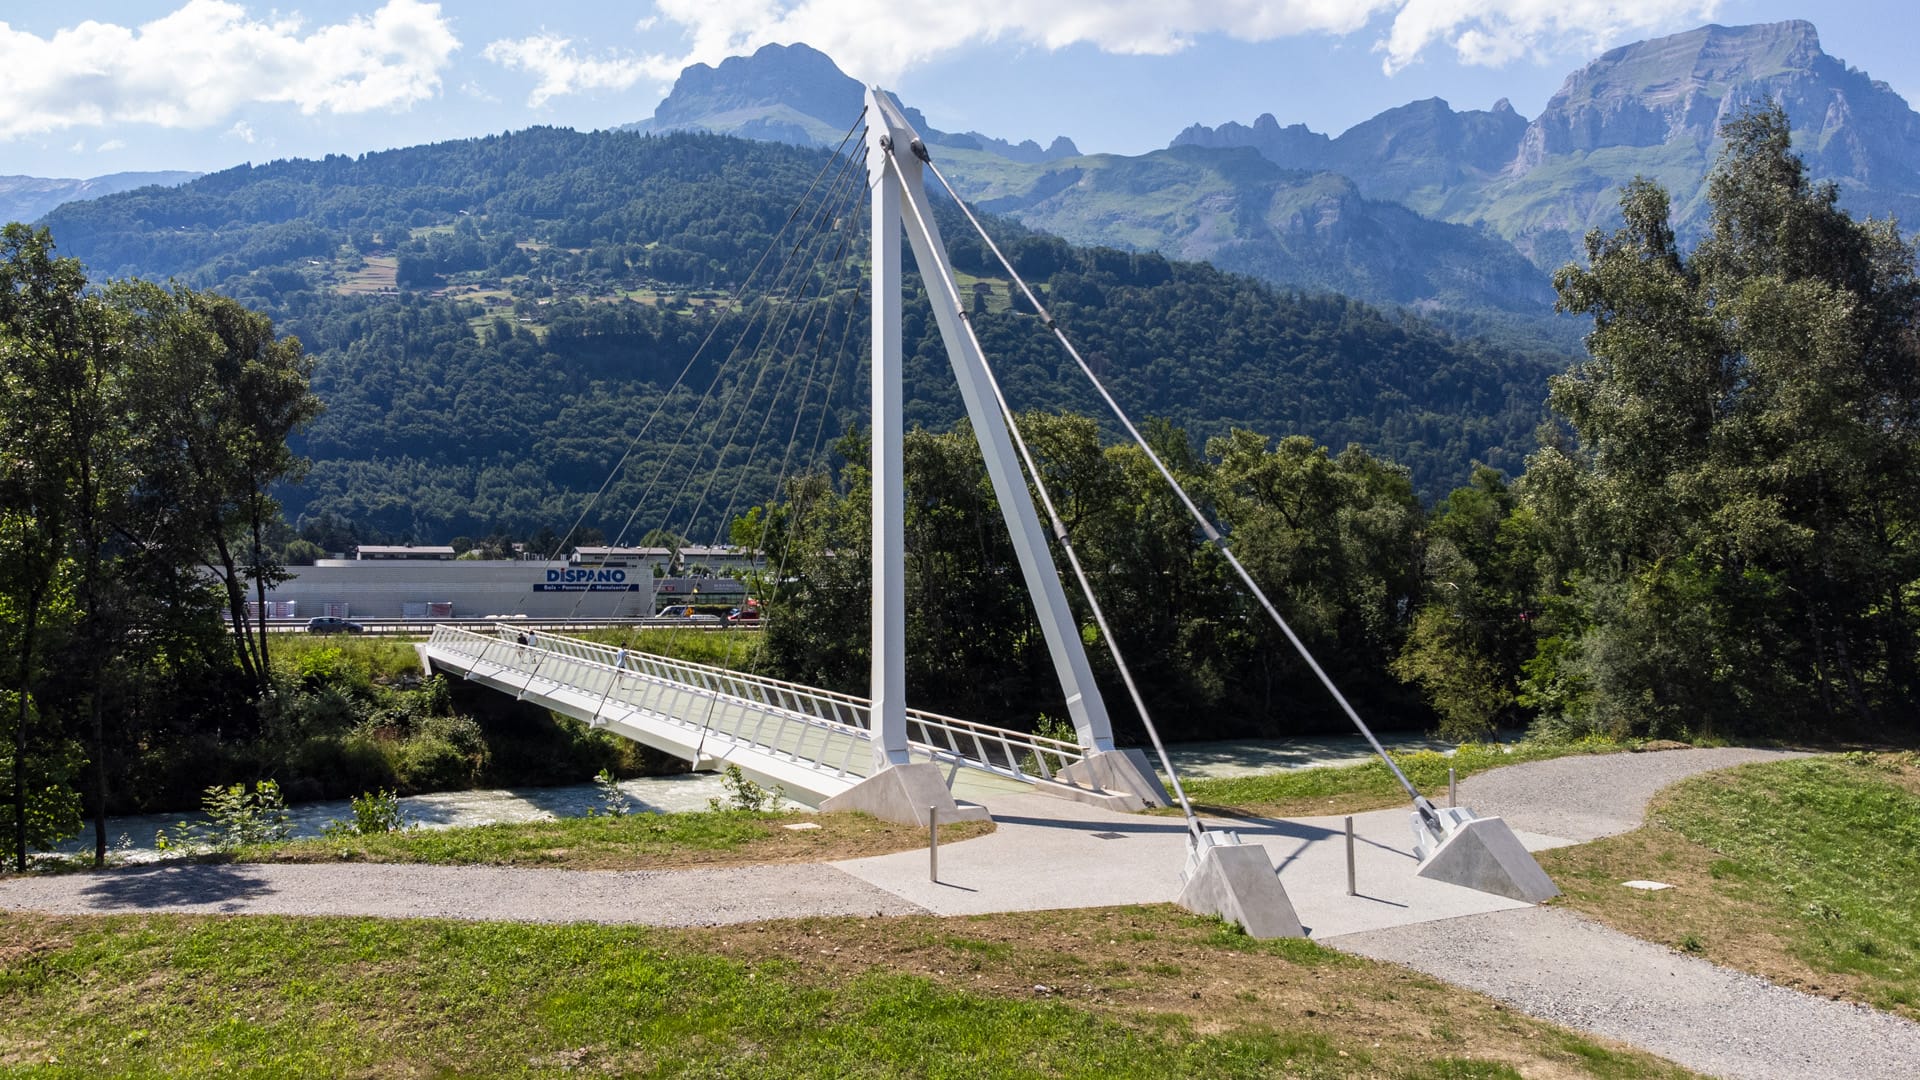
(876, 754)
(814, 744)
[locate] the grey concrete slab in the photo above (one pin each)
(1047, 853)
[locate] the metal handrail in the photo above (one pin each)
(1015, 754)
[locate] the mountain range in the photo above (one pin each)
(1423, 204)
(27, 198)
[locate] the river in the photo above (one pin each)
(132, 837)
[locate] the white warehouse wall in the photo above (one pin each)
(381, 589)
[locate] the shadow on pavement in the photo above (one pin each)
(176, 886)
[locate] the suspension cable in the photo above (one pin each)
(1066, 545)
(773, 243)
(1207, 527)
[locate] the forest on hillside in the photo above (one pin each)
(1723, 543)
(494, 320)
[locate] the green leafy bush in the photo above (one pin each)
(374, 813)
(745, 796)
(236, 817)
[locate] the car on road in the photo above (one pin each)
(333, 624)
(744, 615)
(687, 612)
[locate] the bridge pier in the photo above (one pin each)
(1125, 773)
(904, 793)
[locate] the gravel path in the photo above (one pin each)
(1544, 961)
(1588, 797)
(659, 898)
(1560, 967)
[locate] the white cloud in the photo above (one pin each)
(562, 70)
(878, 39)
(1493, 32)
(110, 146)
(241, 130)
(195, 66)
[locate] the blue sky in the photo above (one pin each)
(99, 86)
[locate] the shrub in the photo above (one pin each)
(236, 818)
(613, 801)
(374, 812)
(745, 796)
(332, 766)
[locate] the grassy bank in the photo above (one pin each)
(1348, 789)
(1804, 872)
(1138, 992)
(628, 842)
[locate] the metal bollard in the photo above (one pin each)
(933, 844)
(1451, 790)
(1350, 889)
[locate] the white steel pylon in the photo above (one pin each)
(895, 160)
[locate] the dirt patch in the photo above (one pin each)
(623, 844)
(1153, 965)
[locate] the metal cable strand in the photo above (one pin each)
(1073, 557)
(760, 305)
(1206, 526)
(739, 290)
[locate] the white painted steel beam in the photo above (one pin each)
(889, 662)
(892, 139)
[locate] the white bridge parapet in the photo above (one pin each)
(814, 743)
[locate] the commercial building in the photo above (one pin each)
(431, 588)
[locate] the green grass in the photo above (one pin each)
(381, 658)
(735, 649)
(269, 996)
(1803, 871)
(1340, 789)
(630, 841)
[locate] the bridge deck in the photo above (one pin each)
(812, 743)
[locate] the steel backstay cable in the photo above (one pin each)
(1207, 527)
(1060, 533)
(773, 243)
(822, 301)
(701, 404)
(762, 303)
(826, 287)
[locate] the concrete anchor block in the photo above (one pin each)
(1237, 882)
(1482, 853)
(1119, 772)
(903, 793)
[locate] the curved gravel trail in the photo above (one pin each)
(1585, 798)
(1555, 965)
(491, 893)
(1547, 962)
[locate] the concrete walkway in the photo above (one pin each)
(1050, 853)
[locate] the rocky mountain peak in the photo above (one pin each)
(1682, 87)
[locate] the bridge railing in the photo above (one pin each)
(667, 686)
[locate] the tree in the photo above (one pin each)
(43, 340)
(220, 393)
(1470, 639)
(1735, 522)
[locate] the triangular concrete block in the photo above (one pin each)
(903, 793)
(1120, 772)
(1483, 854)
(1237, 882)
